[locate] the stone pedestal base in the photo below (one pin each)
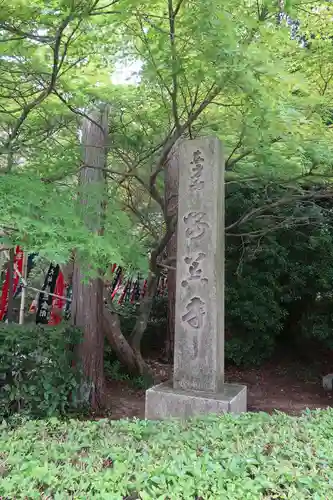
(328, 382)
(163, 401)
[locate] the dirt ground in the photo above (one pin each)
(286, 385)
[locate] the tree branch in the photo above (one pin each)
(46, 92)
(178, 6)
(255, 212)
(172, 139)
(231, 162)
(174, 92)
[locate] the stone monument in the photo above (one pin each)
(198, 381)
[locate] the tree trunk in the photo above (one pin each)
(144, 311)
(128, 357)
(87, 311)
(171, 204)
(87, 305)
(128, 352)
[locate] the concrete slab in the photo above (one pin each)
(163, 401)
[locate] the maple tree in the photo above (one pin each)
(233, 71)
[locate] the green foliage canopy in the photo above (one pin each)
(205, 69)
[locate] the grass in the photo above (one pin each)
(253, 456)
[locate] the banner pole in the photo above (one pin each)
(24, 289)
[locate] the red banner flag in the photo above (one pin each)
(18, 264)
(58, 304)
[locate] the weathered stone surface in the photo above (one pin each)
(198, 380)
(163, 401)
(328, 382)
(199, 325)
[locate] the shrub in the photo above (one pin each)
(254, 456)
(278, 287)
(253, 315)
(36, 373)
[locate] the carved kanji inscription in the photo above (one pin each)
(195, 347)
(195, 272)
(196, 182)
(196, 225)
(195, 313)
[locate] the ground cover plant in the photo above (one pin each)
(253, 456)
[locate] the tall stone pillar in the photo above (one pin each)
(198, 381)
